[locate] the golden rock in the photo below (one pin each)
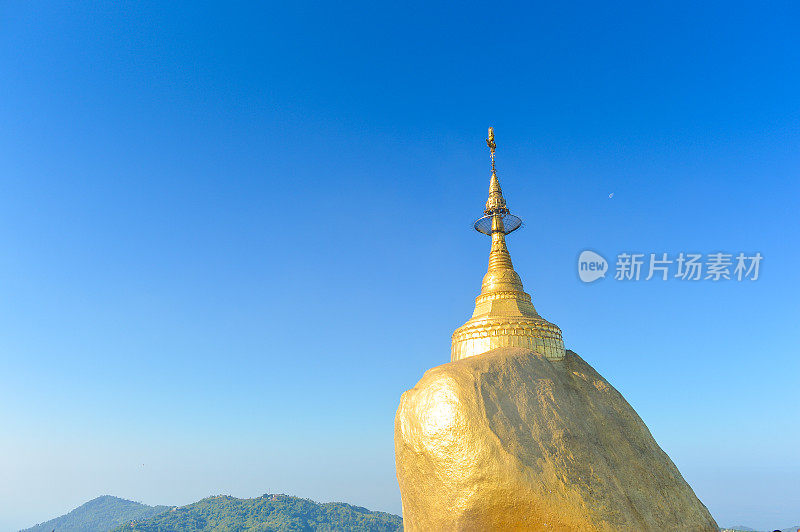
(515, 433)
(510, 440)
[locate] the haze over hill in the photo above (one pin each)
(223, 512)
(99, 515)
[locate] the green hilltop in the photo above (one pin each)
(219, 514)
(265, 513)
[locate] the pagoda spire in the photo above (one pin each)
(504, 315)
(499, 221)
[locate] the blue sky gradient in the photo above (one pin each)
(233, 234)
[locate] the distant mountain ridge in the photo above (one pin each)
(741, 528)
(270, 512)
(99, 515)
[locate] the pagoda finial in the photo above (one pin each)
(492, 145)
(496, 204)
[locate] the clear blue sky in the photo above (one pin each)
(231, 235)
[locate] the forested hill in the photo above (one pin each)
(266, 513)
(99, 515)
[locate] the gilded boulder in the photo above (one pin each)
(510, 440)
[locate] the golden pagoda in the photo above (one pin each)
(504, 315)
